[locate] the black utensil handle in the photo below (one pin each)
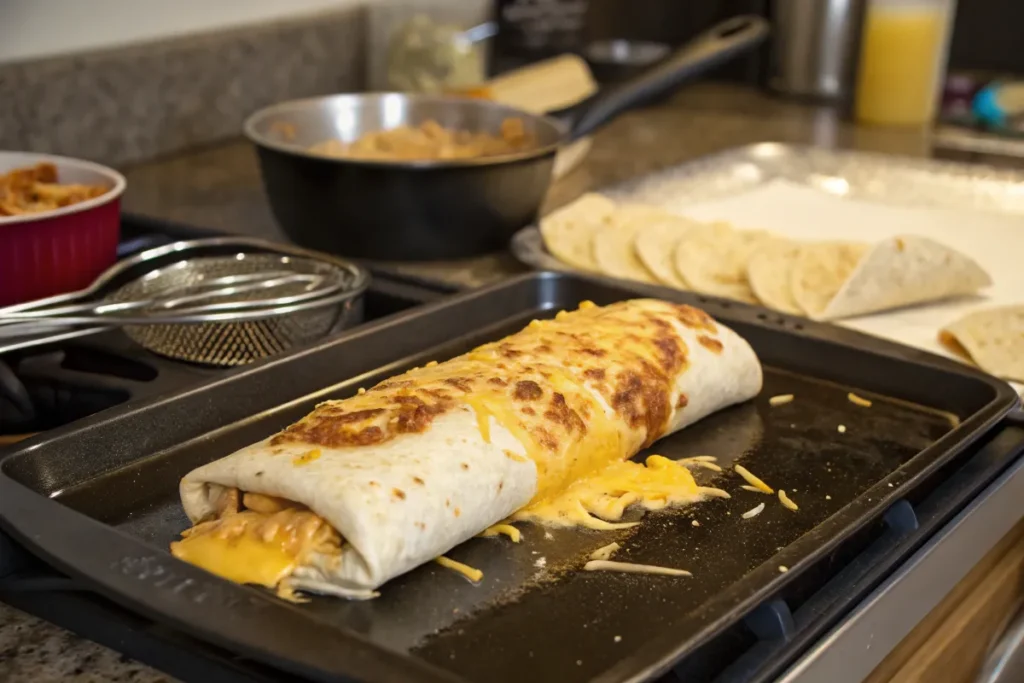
(151, 582)
(724, 42)
(14, 391)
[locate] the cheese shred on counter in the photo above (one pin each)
(753, 480)
(787, 502)
(753, 512)
(605, 552)
(700, 462)
(630, 568)
(858, 401)
(471, 573)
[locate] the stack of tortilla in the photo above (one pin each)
(822, 280)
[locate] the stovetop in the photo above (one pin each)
(51, 386)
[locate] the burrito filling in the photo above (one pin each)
(257, 539)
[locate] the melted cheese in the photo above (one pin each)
(600, 445)
(307, 457)
(600, 500)
(483, 423)
(257, 547)
(503, 530)
(243, 559)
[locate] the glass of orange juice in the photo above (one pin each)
(904, 48)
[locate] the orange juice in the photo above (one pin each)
(902, 57)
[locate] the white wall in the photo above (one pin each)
(42, 28)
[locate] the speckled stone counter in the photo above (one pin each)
(34, 651)
(219, 187)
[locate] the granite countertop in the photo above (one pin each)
(219, 187)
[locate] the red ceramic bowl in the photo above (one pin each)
(58, 251)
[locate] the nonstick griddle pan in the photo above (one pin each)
(451, 208)
(98, 500)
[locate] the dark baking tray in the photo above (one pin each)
(98, 501)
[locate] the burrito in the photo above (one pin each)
(538, 427)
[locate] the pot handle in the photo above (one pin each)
(720, 44)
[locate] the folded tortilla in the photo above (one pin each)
(993, 338)
(533, 427)
(843, 280)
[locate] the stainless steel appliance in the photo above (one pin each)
(814, 47)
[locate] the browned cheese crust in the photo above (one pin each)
(627, 352)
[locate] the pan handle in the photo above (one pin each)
(724, 42)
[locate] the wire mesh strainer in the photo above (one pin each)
(313, 296)
(239, 341)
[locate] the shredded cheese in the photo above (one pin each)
(701, 463)
(783, 569)
(470, 573)
(786, 502)
(362, 390)
(630, 568)
(695, 523)
(841, 429)
(753, 512)
(605, 552)
(752, 480)
(753, 489)
(780, 400)
(503, 529)
(858, 401)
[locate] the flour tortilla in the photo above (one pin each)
(385, 534)
(992, 338)
(769, 273)
(896, 272)
(819, 272)
(655, 245)
(712, 259)
(569, 231)
(614, 246)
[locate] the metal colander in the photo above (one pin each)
(243, 341)
(217, 301)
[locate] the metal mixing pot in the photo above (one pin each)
(441, 209)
